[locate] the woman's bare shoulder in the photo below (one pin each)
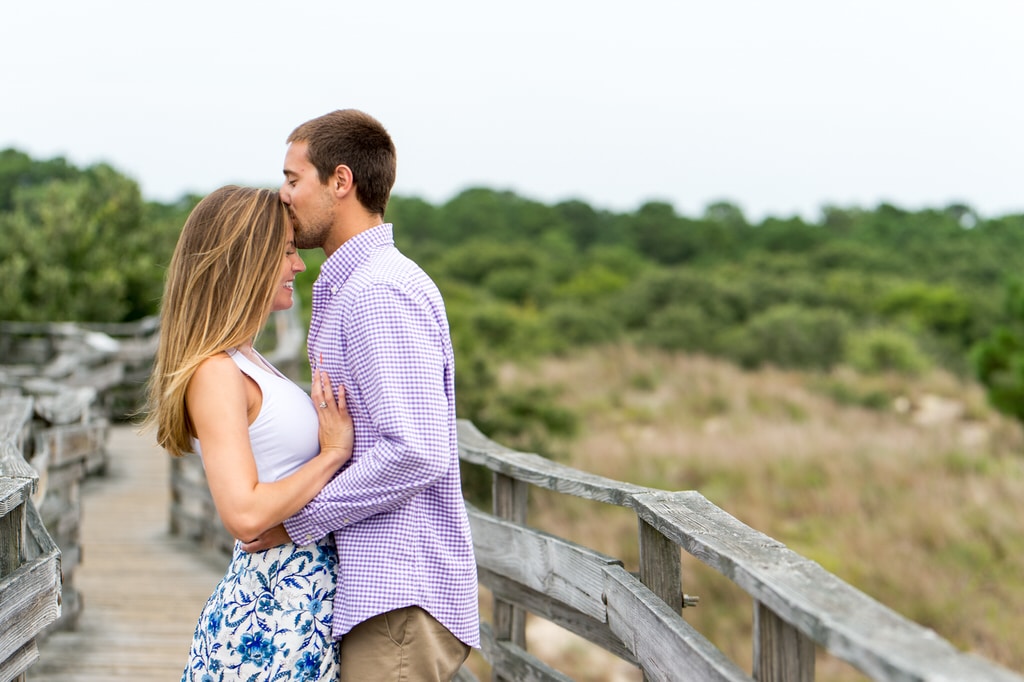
(215, 370)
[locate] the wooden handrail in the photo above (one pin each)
(798, 605)
(30, 576)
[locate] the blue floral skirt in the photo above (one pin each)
(269, 618)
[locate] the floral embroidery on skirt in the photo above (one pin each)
(269, 618)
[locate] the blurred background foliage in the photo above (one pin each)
(880, 290)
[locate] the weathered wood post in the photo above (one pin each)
(781, 652)
(30, 578)
(660, 566)
(510, 502)
(70, 440)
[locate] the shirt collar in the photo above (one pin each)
(336, 269)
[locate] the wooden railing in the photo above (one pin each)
(798, 607)
(30, 568)
(59, 386)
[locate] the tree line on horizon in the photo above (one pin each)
(880, 290)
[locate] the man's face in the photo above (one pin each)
(310, 203)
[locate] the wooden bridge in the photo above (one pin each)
(141, 588)
(134, 589)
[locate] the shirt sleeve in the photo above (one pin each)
(397, 357)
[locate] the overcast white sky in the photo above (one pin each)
(781, 106)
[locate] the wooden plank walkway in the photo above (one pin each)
(142, 588)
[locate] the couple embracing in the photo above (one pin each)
(354, 559)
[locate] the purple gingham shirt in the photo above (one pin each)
(396, 510)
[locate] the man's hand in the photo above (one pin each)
(269, 538)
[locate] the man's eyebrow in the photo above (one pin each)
(289, 172)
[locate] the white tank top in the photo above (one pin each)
(285, 434)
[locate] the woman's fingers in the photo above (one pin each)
(316, 392)
(322, 393)
(327, 399)
(342, 405)
(335, 421)
(327, 391)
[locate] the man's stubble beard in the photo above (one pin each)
(310, 236)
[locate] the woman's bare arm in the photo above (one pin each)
(217, 402)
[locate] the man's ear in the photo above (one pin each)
(342, 182)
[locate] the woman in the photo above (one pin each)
(266, 449)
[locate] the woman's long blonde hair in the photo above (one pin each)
(220, 285)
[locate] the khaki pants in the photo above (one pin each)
(404, 645)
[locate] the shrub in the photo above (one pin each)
(592, 284)
(516, 284)
(792, 337)
(573, 325)
(684, 327)
(885, 350)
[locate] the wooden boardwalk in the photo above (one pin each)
(142, 589)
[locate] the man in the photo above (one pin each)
(407, 605)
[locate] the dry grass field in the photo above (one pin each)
(910, 489)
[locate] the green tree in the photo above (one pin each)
(879, 350)
(665, 237)
(721, 299)
(793, 337)
(74, 249)
(591, 284)
(792, 235)
(587, 227)
(417, 223)
(19, 170)
(497, 216)
(941, 309)
(684, 327)
(998, 360)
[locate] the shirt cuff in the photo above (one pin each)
(302, 530)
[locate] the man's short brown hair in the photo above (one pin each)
(349, 137)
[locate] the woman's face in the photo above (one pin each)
(291, 265)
